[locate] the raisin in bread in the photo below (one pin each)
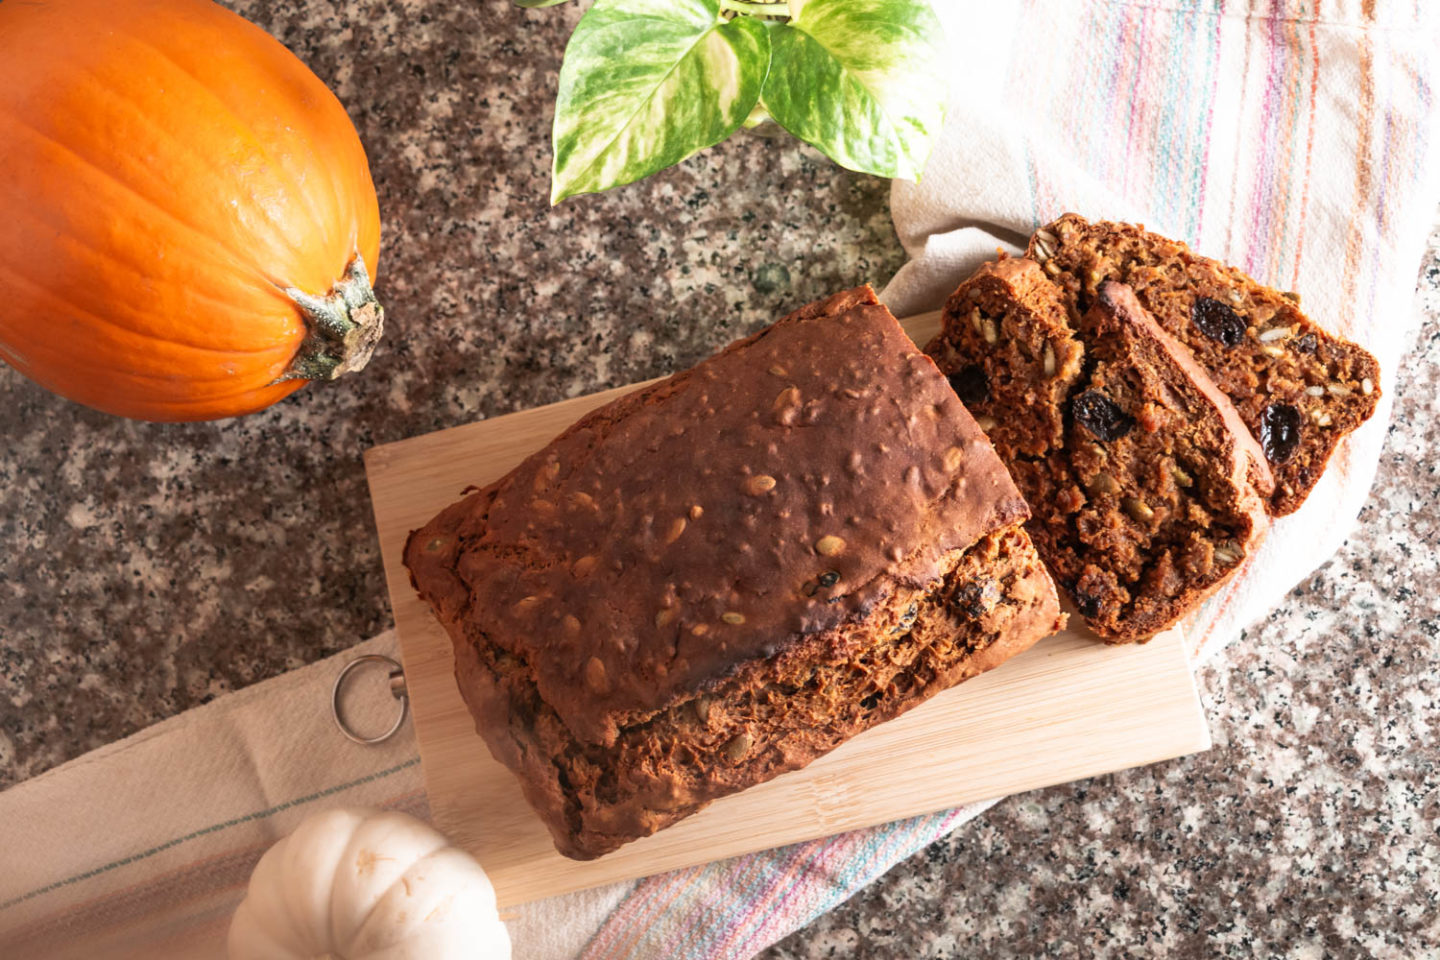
(1146, 488)
(721, 576)
(1298, 389)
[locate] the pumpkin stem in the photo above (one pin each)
(342, 327)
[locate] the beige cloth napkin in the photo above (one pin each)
(142, 848)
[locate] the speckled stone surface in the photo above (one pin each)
(145, 569)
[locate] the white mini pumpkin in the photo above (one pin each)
(361, 884)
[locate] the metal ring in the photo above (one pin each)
(397, 690)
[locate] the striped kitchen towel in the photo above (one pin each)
(1293, 137)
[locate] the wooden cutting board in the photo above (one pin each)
(1069, 708)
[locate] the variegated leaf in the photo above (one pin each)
(863, 80)
(647, 83)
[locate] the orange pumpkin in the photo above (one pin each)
(187, 221)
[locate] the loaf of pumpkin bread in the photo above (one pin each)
(721, 576)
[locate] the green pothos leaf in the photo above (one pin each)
(647, 83)
(863, 80)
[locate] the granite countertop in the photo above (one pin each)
(149, 568)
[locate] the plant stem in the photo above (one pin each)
(760, 7)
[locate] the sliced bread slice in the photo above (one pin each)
(1146, 488)
(1298, 389)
